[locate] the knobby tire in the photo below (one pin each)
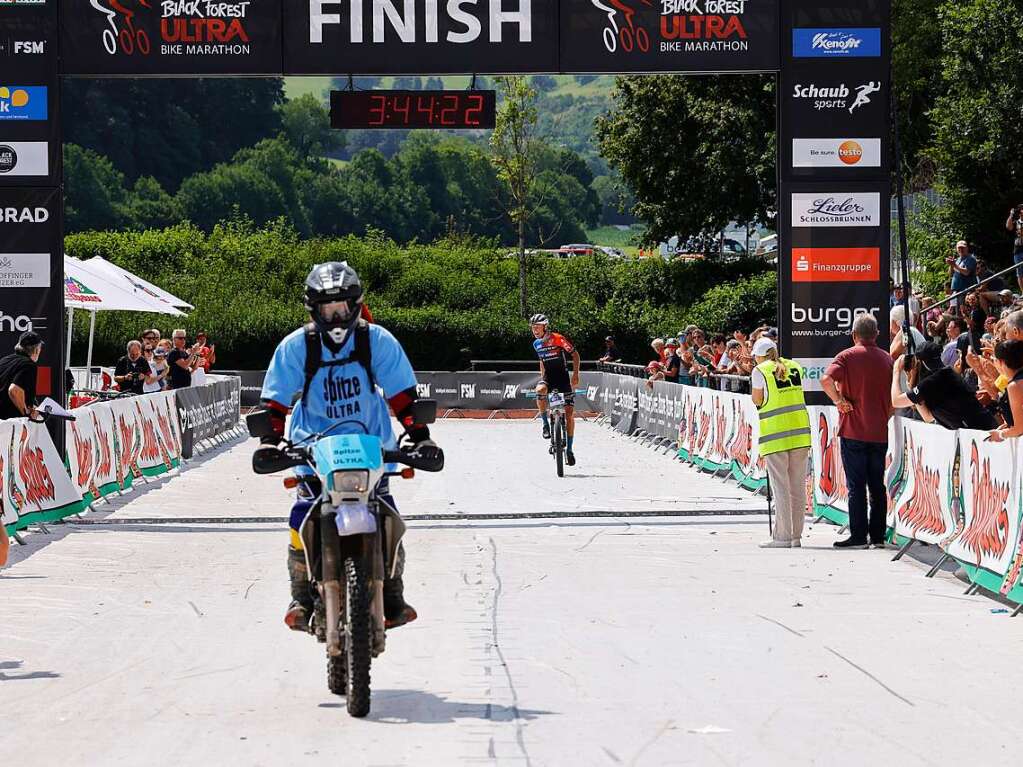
(358, 637)
(559, 445)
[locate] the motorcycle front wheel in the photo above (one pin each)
(358, 637)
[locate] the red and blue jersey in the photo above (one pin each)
(554, 351)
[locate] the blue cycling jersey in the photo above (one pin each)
(340, 391)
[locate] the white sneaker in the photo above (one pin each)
(772, 544)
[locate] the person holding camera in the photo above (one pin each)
(963, 267)
(132, 371)
(938, 393)
(1015, 225)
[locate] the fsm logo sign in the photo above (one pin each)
(468, 391)
(423, 390)
(23, 102)
(511, 391)
(858, 42)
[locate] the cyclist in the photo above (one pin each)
(554, 350)
(331, 369)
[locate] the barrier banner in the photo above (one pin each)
(91, 452)
(742, 445)
(623, 405)
(922, 479)
(35, 484)
(988, 525)
(830, 493)
(486, 390)
(206, 411)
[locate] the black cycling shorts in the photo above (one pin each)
(563, 384)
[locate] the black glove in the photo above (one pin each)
(426, 455)
(277, 421)
(264, 459)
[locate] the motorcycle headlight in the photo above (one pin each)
(351, 481)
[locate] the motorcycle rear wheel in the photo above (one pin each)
(358, 637)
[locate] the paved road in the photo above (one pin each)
(574, 642)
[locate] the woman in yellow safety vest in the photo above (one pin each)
(777, 385)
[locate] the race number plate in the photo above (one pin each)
(557, 399)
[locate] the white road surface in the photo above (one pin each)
(575, 641)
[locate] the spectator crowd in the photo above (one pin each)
(154, 364)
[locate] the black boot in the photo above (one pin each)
(301, 607)
(397, 612)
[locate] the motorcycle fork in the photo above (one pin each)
(330, 581)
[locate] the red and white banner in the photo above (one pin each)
(922, 480)
(988, 528)
(34, 484)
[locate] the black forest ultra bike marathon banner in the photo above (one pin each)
(379, 37)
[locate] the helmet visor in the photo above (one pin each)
(338, 312)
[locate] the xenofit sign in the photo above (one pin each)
(836, 43)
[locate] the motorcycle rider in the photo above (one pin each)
(554, 350)
(330, 369)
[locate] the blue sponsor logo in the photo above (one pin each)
(23, 102)
(836, 43)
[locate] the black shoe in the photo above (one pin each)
(546, 431)
(397, 612)
(849, 543)
(570, 458)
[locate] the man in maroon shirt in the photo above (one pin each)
(855, 382)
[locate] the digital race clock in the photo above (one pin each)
(449, 110)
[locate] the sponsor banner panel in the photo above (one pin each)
(30, 271)
(836, 42)
(497, 391)
(669, 36)
(23, 103)
(836, 264)
(836, 209)
(845, 153)
(206, 411)
(380, 38)
(24, 159)
(829, 99)
(922, 479)
(988, 518)
(212, 37)
(818, 318)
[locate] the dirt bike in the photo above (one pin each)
(351, 537)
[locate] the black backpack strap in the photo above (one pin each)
(363, 354)
(364, 350)
(313, 356)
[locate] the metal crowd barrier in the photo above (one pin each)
(715, 381)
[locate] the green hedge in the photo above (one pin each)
(448, 301)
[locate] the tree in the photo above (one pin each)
(697, 152)
(94, 193)
(977, 128)
(168, 128)
(515, 150)
(305, 124)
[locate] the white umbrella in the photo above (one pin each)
(85, 288)
(100, 265)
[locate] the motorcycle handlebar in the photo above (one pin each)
(422, 463)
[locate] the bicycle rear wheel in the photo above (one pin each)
(559, 444)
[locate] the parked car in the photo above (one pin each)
(767, 248)
(578, 249)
